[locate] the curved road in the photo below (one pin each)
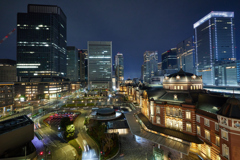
(93, 152)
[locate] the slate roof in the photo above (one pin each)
(231, 108)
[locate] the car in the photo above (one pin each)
(85, 145)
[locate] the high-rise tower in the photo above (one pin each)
(119, 69)
(100, 65)
(41, 42)
(215, 42)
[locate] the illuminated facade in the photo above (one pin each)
(150, 65)
(8, 71)
(99, 65)
(205, 124)
(6, 97)
(72, 63)
(82, 65)
(214, 42)
(119, 69)
(41, 42)
(186, 55)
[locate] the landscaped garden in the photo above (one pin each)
(107, 143)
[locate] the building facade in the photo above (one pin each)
(8, 71)
(99, 65)
(41, 42)
(186, 55)
(72, 63)
(169, 60)
(119, 69)
(214, 42)
(183, 114)
(83, 65)
(6, 97)
(151, 64)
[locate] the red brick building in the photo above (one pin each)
(182, 111)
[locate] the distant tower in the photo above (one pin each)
(151, 64)
(41, 42)
(72, 63)
(100, 65)
(119, 69)
(214, 41)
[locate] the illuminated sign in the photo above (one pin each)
(213, 14)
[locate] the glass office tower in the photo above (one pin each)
(186, 55)
(119, 69)
(100, 65)
(41, 42)
(151, 64)
(215, 42)
(72, 63)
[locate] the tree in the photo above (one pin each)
(108, 142)
(65, 121)
(70, 130)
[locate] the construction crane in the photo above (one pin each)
(7, 35)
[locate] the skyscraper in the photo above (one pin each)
(151, 63)
(41, 42)
(119, 69)
(100, 65)
(214, 41)
(82, 61)
(169, 60)
(72, 63)
(186, 55)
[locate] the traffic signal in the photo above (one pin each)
(101, 152)
(41, 153)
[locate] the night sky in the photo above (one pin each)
(133, 26)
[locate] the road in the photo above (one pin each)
(93, 152)
(58, 147)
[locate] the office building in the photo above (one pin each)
(41, 42)
(169, 61)
(8, 71)
(214, 41)
(186, 55)
(227, 73)
(17, 134)
(100, 65)
(83, 65)
(6, 98)
(119, 69)
(143, 69)
(72, 63)
(151, 64)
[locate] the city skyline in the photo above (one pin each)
(132, 27)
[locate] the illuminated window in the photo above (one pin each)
(198, 118)
(208, 150)
(217, 141)
(181, 87)
(175, 87)
(206, 122)
(216, 126)
(175, 97)
(191, 87)
(198, 130)
(188, 115)
(224, 135)
(199, 147)
(189, 127)
(158, 120)
(158, 110)
(196, 86)
(207, 134)
(218, 157)
(178, 87)
(225, 151)
(168, 111)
